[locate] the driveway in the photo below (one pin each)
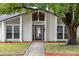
(36, 49)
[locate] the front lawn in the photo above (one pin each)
(13, 48)
(61, 48)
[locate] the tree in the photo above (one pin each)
(69, 13)
(8, 8)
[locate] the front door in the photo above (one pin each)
(38, 32)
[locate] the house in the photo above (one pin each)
(37, 25)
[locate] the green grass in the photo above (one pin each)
(61, 48)
(13, 49)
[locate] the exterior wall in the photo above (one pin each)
(27, 27)
(51, 30)
(0, 31)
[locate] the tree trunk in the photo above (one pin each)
(72, 31)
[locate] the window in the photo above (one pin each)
(61, 32)
(35, 16)
(65, 33)
(41, 16)
(38, 16)
(16, 32)
(12, 32)
(9, 32)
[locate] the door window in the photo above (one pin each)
(38, 31)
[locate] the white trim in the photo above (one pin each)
(3, 31)
(45, 34)
(63, 33)
(12, 24)
(34, 32)
(62, 40)
(13, 40)
(38, 22)
(37, 11)
(56, 28)
(20, 28)
(13, 32)
(38, 15)
(60, 24)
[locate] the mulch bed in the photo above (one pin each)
(59, 54)
(14, 42)
(55, 42)
(11, 54)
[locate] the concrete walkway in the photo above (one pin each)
(36, 49)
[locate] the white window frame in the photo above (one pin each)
(13, 32)
(63, 33)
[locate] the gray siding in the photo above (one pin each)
(59, 21)
(13, 21)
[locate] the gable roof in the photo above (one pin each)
(6, 17)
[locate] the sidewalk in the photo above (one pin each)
(36, 49)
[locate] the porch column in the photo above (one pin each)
(46, 18)
(55, 28)
(3, 31)
(20, 28)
